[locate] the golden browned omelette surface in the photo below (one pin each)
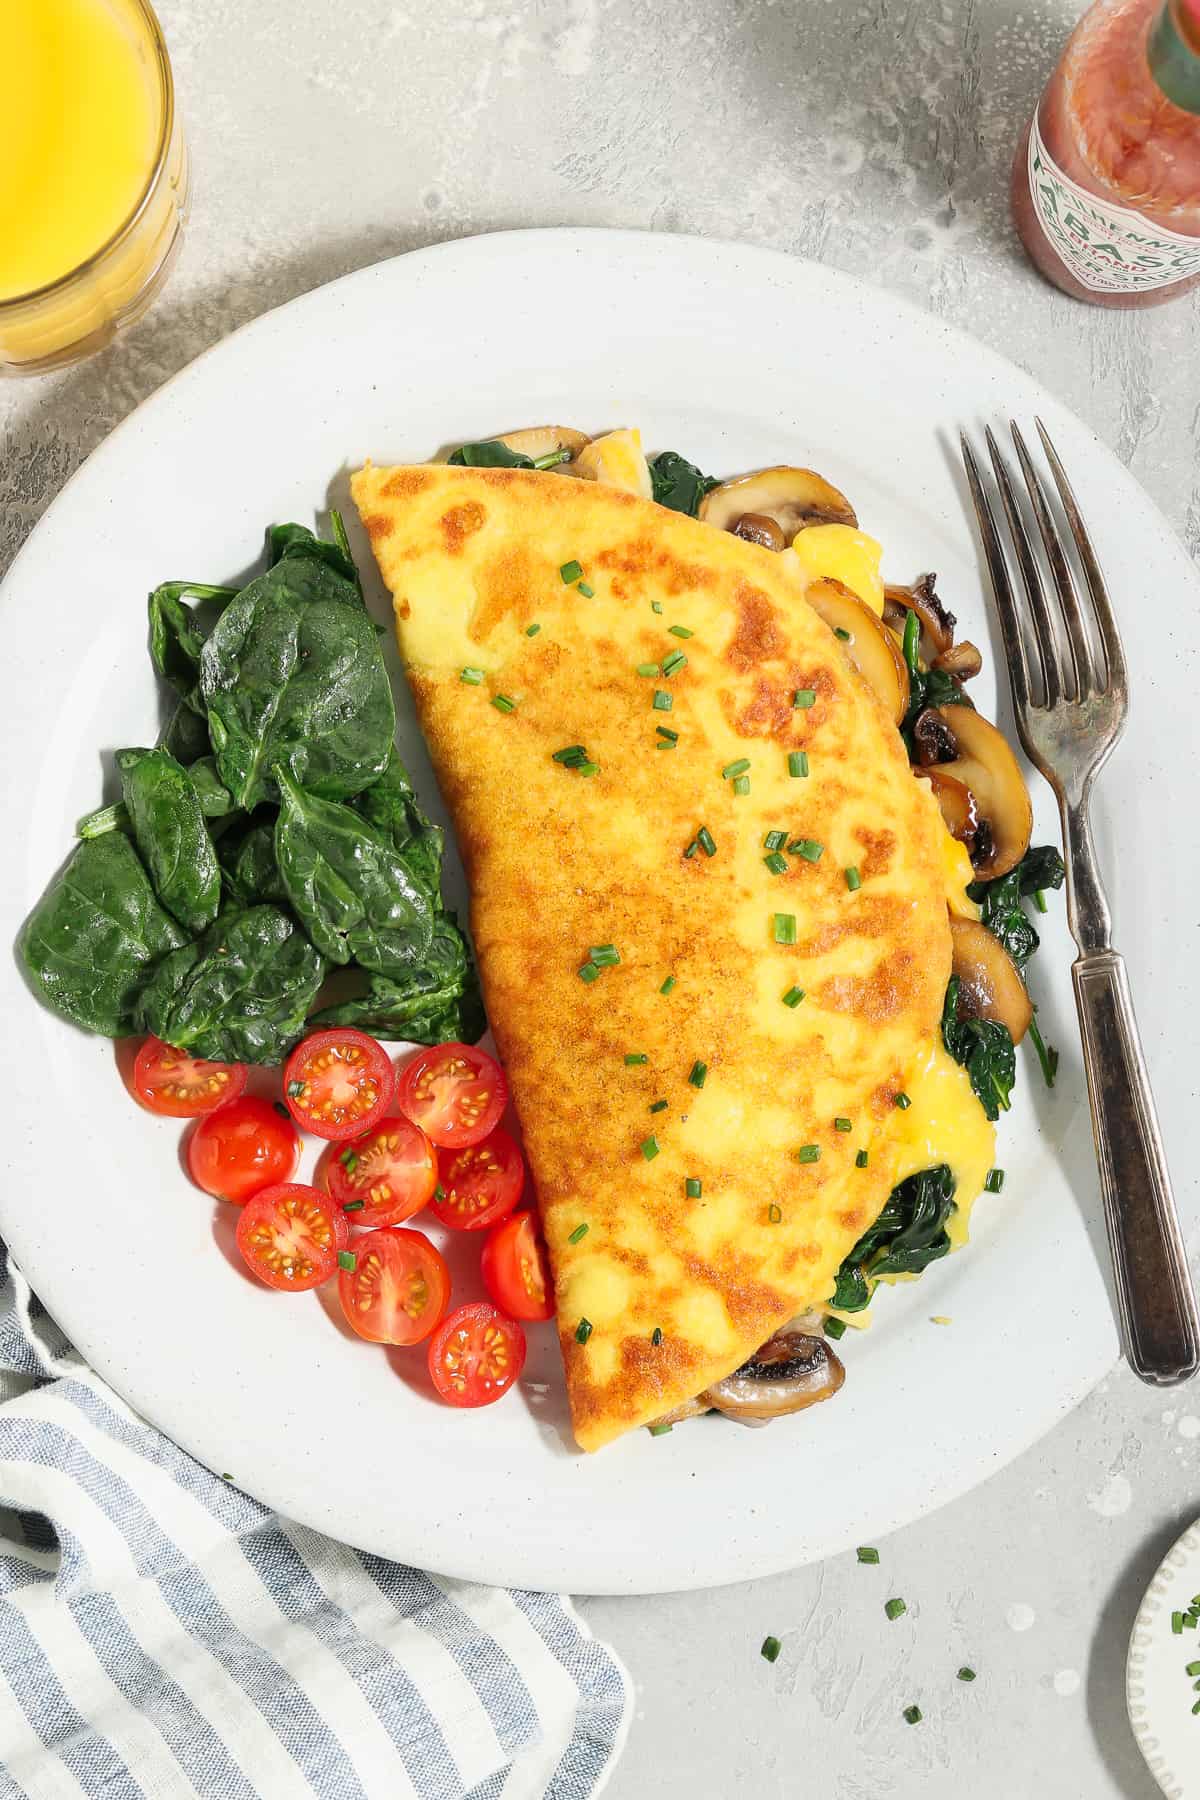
(560, 861)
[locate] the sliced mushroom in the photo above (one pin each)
(962, 660)
(937, 625)
(868, 644)
(794, 498)
(760, 528)
(792, 1370)
(987, 767)
(989, 984)
(544, 440)
(687, 1409)
(932, 739)
(957, 802)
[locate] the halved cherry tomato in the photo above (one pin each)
(242, 1148)
(515, 1271)
(476, 1355)
(454, 1092)
(179, 1086)
(339, 1083)
(385, 1176)
(290, 1236)
(398, 1288)
(479, 1185)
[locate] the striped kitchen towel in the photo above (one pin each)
(163, 1636)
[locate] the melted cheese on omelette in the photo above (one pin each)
(559, 862)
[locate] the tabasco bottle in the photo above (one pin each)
(1106, 181)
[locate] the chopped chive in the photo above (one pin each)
(347, 1260)
(578, 1235)
(994, 1182)
(775, 840)
(295, 1089)
(650, 1147)
(667, 985)
(853, 879)
(797, 762)
(784, 928)
(809, 848)
(588, 768)
(666, 744)
(774, 1214)
(692, 1188)
(656, 1336)
(664, 731)
(504, 703)
(965, 1674)
(1039, 900)
(632, 1057)
(551, 459)
(583, 1331)
(588, 972)
(902, 1101)
(706, 841)
(658, 1430)
(860, 1161)
(692, 848)
(842, 1125)
(1193, 1668)
(1047, 1054)
(680, 631)
(809, 1153)
(735, 768)
(656, 606)
(847, 637)
(662, 701)
(835, 1328)
(699, 1074)
(895, 1608)
(348, 1160)
(741, 787)
(439, 1192)
(646, 669)
(571, 755)
(472, 677)
(776, 863)
(588, 592)
(605, 956)
(673, 663)
(771, 1647)
(354, 1206)
(659, 1106)
(794, 996)
(866, 1553)
(570, 571)
(1196, 1709)
(912, 638)
(912, 1715)
(803, 698)
(532, 630)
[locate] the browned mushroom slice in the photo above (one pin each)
(868, 644)
(937, 625)
(962, 660)
(933, 742)
(987, 767)
(794, 498)
(959, 811)
(761, 529)
(792, 1370)
(544, 440)
(989, 985)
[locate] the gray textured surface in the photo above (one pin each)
(329, 133)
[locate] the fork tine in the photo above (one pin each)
(1078, 644)
(1006, 607)
(1043, 630)
(1110, 636)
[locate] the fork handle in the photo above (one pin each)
(1154, 1289)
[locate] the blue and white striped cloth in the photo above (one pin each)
(162, 1635)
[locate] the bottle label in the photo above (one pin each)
(1110, 249)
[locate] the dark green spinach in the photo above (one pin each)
(440, 1002)
(294, 541)
(247, 859)
(240, 993)
(390, 805)
(489, 453)
(177, 633)
(985, 1049)
(929, 687)
(186, 732)
(90, 940)
(678, 483)
(167, 822)
(216, 801)
(908, 1235)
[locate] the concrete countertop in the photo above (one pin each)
(874, 137)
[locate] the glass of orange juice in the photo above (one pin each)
(93, 175)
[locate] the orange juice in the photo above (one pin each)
(92, 178)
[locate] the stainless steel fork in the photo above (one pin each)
(1070, 709)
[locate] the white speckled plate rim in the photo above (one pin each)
(1158, 1692)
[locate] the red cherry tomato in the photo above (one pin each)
(476, 1355)
(242, 1148)
(179, 1086)
(385, 1176)
(454, 1092)
(338, 1084)
(515, 1269)
(398, 1288)
(290, 1236)
(479, 1185)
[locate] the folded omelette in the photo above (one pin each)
(706, 897)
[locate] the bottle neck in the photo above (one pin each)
(1173, 50)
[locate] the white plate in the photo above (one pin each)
(736, 357)
(1159, 1692)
